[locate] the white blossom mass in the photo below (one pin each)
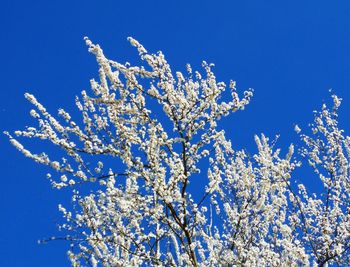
(168, 189)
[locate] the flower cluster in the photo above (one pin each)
(156, 205)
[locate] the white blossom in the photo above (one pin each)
(172, 190)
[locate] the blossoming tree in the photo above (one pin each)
(170, 189)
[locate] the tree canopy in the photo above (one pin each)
(171, 190)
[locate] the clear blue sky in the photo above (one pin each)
(290, 52)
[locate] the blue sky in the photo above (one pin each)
(290, 52)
